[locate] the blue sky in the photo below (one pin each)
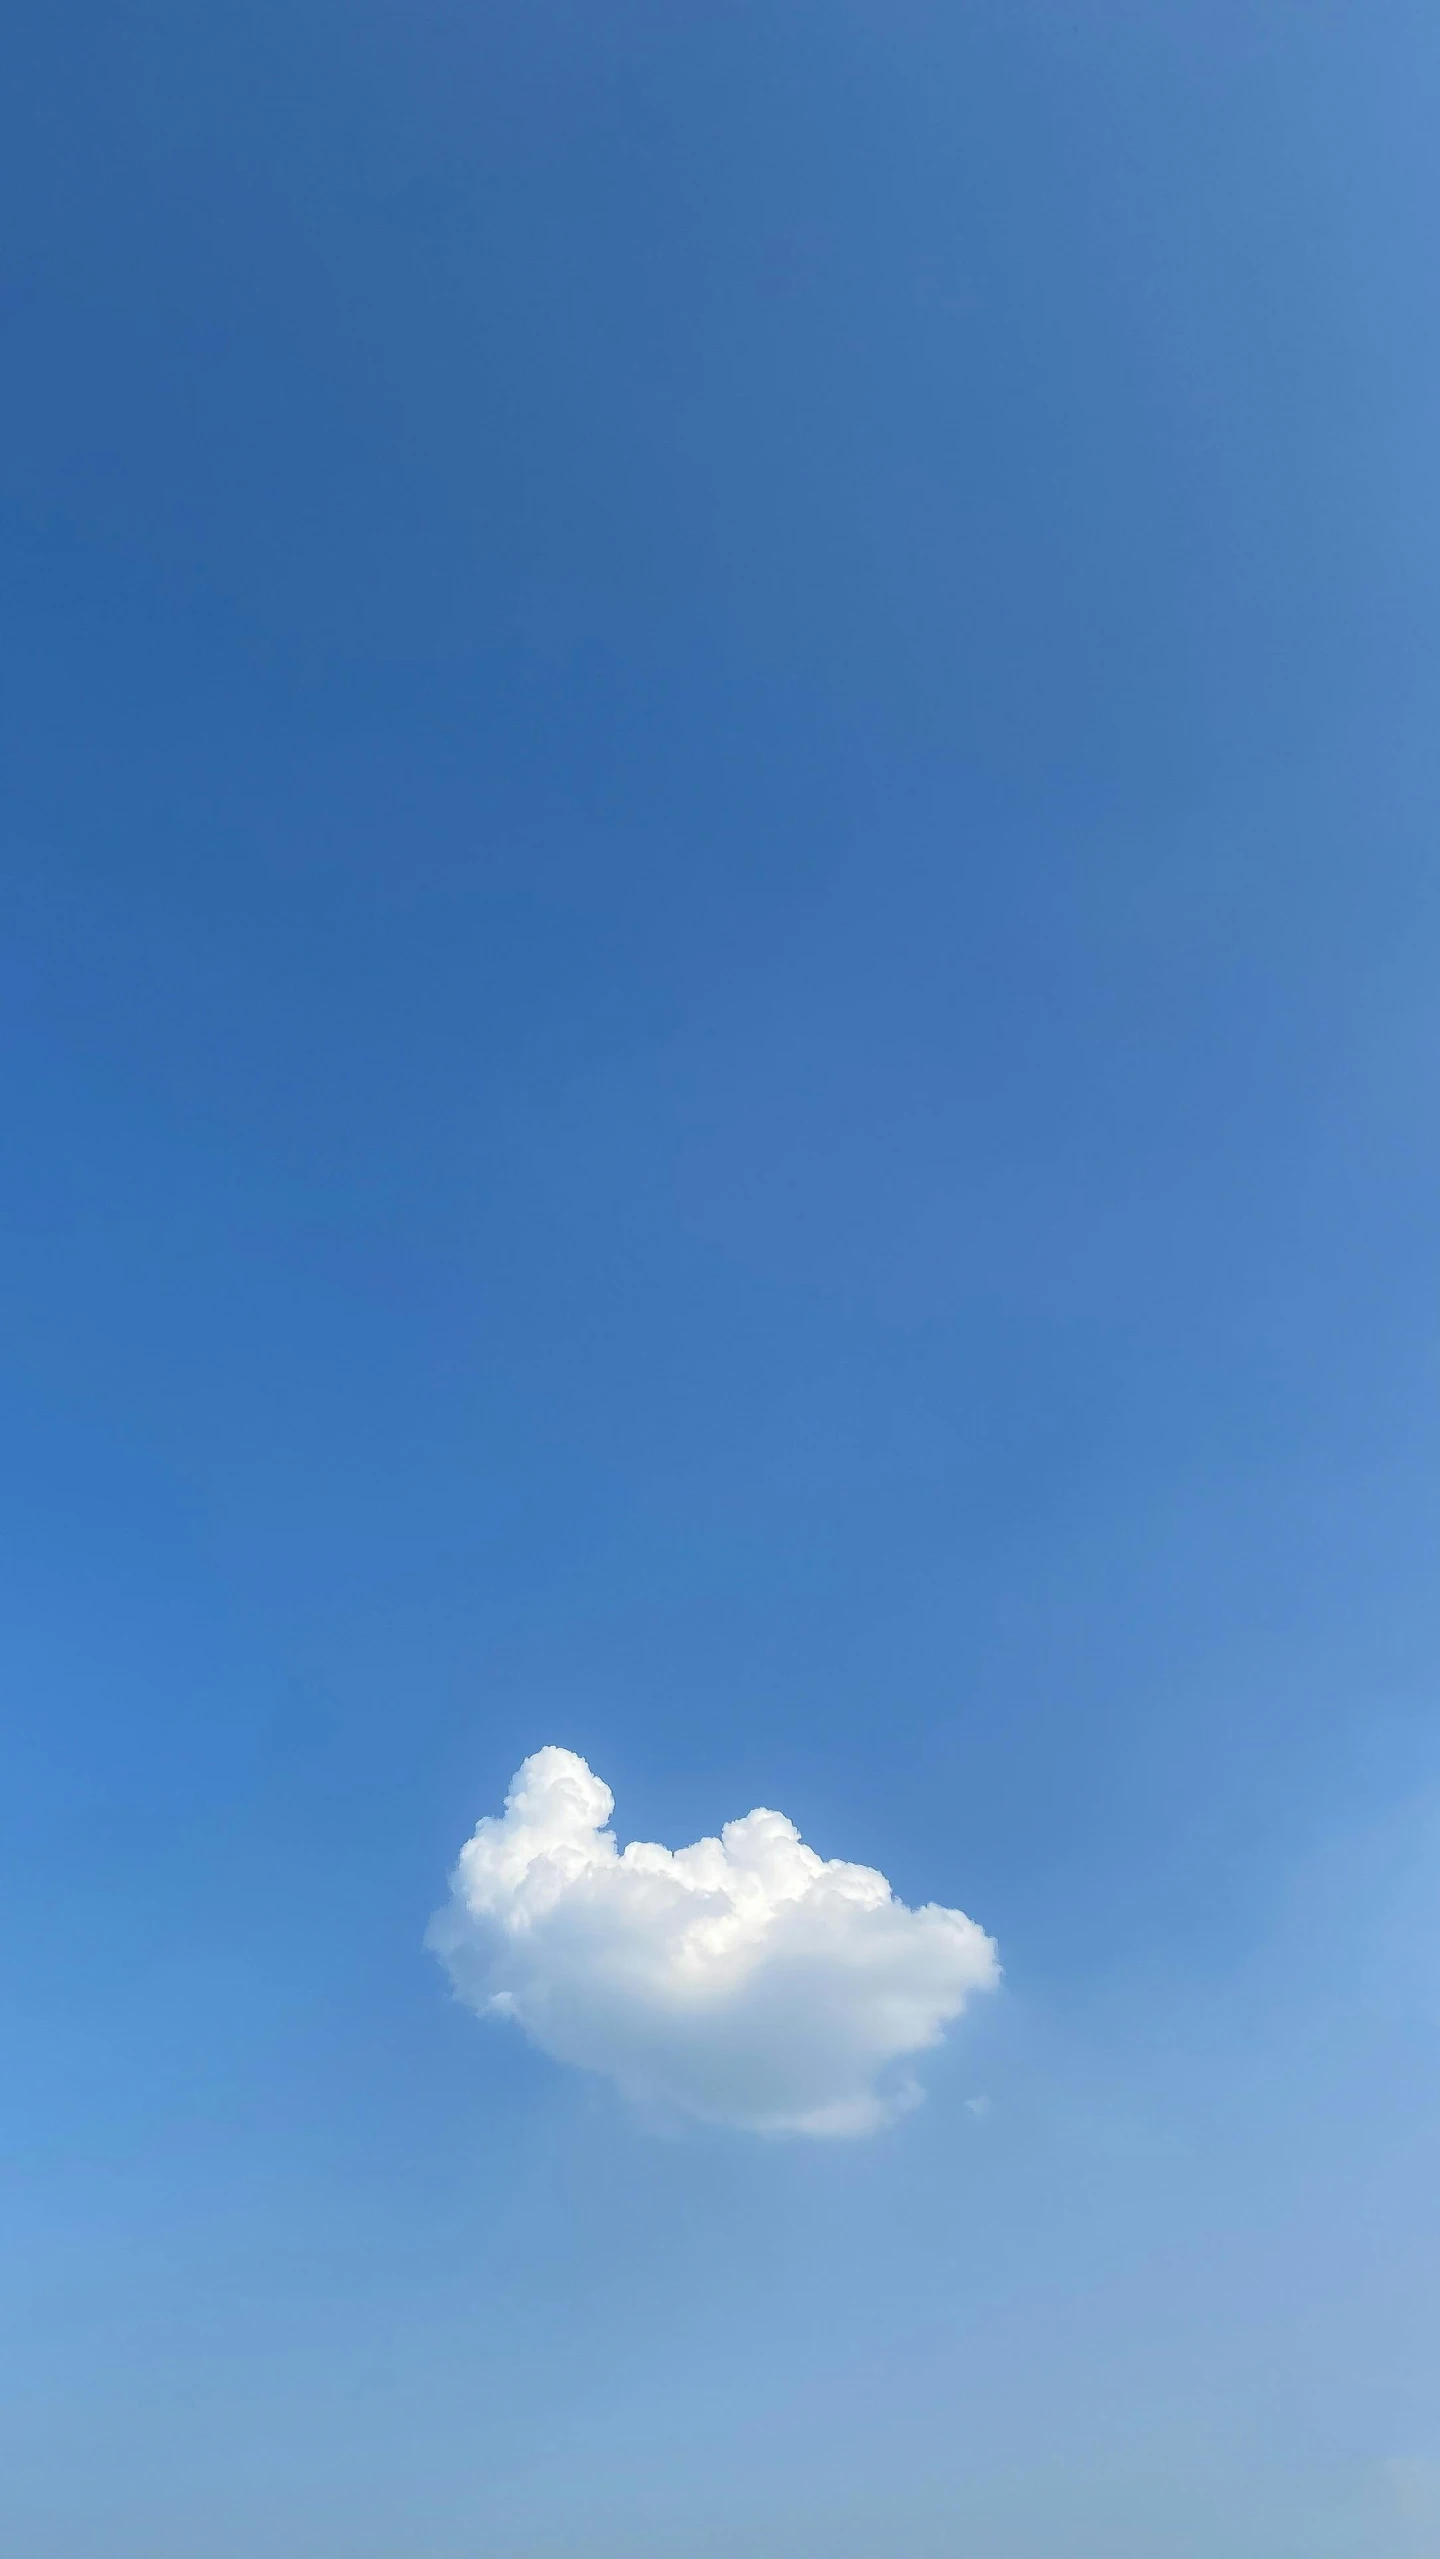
(719, 936)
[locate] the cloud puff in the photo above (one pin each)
(745, 1980)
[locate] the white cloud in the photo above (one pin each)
(745, 1980)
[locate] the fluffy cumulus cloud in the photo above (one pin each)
(745, 1980)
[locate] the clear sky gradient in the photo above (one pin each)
(719, 930)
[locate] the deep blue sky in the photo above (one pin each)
(720, 928)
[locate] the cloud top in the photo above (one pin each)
(744, 1981)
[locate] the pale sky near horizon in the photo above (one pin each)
(721, 927)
